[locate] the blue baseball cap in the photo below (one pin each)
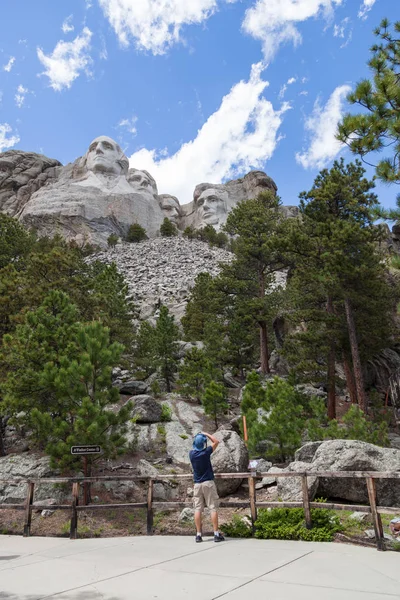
(199, 441)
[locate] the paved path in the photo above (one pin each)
(175, 568)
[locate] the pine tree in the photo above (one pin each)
(214, 401)
(166, 346)
(136, 233)
(194, 374)
(145, 349)
(168, 228)
(377, 127)
(15, 241)
(59, 381)
(204, 304)
(255, 223)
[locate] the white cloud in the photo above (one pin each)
(7, 141)
(365, 8)
(322, 127)
(303, 93)
(242, 134)
(273, 22)
(155, 25)
(20, 95)
(67, 60)
(283, 89)
(129, 125)
(67, 25)
(340, 31)
(9, 65)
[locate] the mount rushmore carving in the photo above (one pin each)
(99, 194)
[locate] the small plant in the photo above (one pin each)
(136, 233)
(237, 528)
(166, 413)
(183, 436)
(112, 240)
(168, 229)
(189, 233)
(289, 524)
(155, 388)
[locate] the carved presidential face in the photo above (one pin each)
(211, 207)
(142, 181)
(105, 156)
(171, 208)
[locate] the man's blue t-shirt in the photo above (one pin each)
(201, 463)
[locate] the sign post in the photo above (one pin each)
(85, 451)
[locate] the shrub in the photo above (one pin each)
(136, 233)
(289, 524)
(166, 413)
(112, 240)
(190, 233)
(237, 528)
(168, 229)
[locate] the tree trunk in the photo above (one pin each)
(264, 354)
(351, 386)
(2, 447)
(358, 375)
(331, 370)
(264, 357)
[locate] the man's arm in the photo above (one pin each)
(213, 440)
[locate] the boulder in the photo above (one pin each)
(187, 516)
(307, 452)
(131, 387)
(346, 455)
(32, 466)
(179, 442)
(231, 456)
(146, 409)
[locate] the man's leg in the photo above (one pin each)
(197, 520)
(214, 519)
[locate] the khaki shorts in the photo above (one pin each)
(205, 494)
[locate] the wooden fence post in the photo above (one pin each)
(150, 507)
(253, 499)
(28, 508)
(376, 517)
(74, 513)
(306, 501)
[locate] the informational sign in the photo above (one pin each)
(85, 450)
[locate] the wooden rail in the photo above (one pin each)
(150, 504)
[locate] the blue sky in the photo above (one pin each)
(193, 90)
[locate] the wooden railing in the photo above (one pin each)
(150, 504)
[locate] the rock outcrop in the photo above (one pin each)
(343, 455)
(26, 466)
(231, 456)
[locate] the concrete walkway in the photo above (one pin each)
(175, 568)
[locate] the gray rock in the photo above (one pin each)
(358, 517)
(346, 455)
(231, 456)
(189, 415)
(231, 382)
(311, 391)
(146, 409)
(290, 488)
(187, 516)
(270, 480)
(22, 174)
(131, 387)
(145, 469)
(47, 513)
(307, 452)
(179, 442)
(27, 466)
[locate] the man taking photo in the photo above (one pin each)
(205, 490)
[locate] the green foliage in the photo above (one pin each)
(189, 233)
(155, 388)
(157, 347)
(237, 528)
(59, 381)
(204, 304)
(275, 417)
(212, 237)
(355, 425)
(112, 240)
(214, 401)
(15, 241)
(136, 233)
(377, 127)
(166, 413)
(194, 374)
(168, 228)
(289, 524)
